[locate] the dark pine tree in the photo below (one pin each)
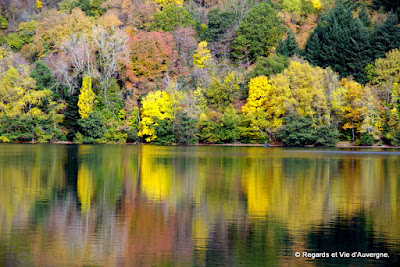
(387, 5)
(43, 76)
(288, 47)
(218, 23)
(340, 42)
(364, 16)
(386, 36)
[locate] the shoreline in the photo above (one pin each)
(342, 144)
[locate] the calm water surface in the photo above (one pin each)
(125, 205)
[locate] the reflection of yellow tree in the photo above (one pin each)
(85, 187)
(386, 198)
(156, 175)
(200, 231)
(318, 191)
(254, 180)
(271, 193)
(27, 179)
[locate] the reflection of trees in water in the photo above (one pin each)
(167, 205)
(350, 234)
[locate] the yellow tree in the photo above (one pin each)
(55, 27)
(316, 4)
(39, 4)
(157, 105)
(202, 56)
(86, 98)
(307, 86)
(220, 94)
(387, 72)
(356, 106)
(266, 106)
(162, 3)
(386, 82)
(18, 95)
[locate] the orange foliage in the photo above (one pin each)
(136, 14)
(151, 60)
(301, 26)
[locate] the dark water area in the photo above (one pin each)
(142, 205)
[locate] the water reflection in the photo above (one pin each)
(147, 205)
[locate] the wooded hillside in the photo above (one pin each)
(302, 72)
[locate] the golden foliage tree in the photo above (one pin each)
(387, 73)
(18, 94)
(202, 56)
(357, 108)
(307, 88)
(266, 106)
(86, 98)
(156, 105)
(55, 27)
(39, 4)
(162, 3)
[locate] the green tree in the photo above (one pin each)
(218, 23)
(93, 127)
(386, 36)
(72, 116)
(218, 128)
(185, 128)
(340, 42)
(164, 131)
(326, 136)
(267, 66)
(170, 17)
(90, 7)
(43, 76)
(229, 130)
(297, 131)
(23, 35)
(288, 47)
(365, 17)
(258, 33)
(220, 94)
(387, 5)
(3, 22)
(113, 102)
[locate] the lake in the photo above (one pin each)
(143, 205)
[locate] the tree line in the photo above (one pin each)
(304, 72)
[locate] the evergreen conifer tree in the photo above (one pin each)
(340, 42)
(288, 47)
(386, 36)
(364, 16)
(387, 5)
(43, 76)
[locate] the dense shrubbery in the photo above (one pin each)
(302, 132)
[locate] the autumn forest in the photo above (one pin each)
(290, 72)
